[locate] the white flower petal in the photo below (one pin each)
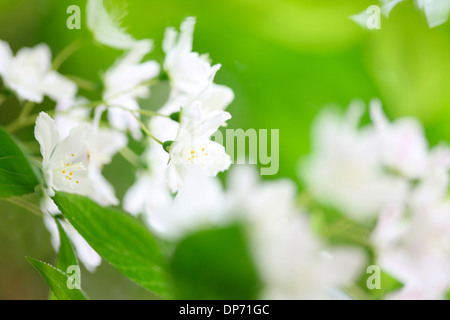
(46, 134)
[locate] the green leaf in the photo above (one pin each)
(214, 264)
(17, 176)
(57, 281)
(388, 284)
(66, 256)
(120, 239)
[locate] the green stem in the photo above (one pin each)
(22, 120)
(27, 108)
(147, 132)
(83, 83)
(25, 205)
(140, 111)
(130, 156)
(144, 83)
(65, 53)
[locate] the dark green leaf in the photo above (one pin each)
(57, 281)
(120, 239)
(17, 176)
(66, 256)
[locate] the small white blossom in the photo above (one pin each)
(123, 86)
(293, 262)
(106, 27)
(412, 239)
(404, 147)
(436, 11)
(346, 169)
(150, 192)
(193, 147)
(199, 203)
(73, 163)
(188, 71)
(64, 162)
(30, 76)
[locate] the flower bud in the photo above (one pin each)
(166, 145)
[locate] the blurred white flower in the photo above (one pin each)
(199, 203)
(345, 169)
(404, 147)
(293, 261)
(436, 11)
(70, 114)
(30, 76)
(90, 259)
(412, 240)
(188, 71)
(106, 27)
(124, 85)
(150, 192)
(193, 147)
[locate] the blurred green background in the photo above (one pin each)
(284, 59)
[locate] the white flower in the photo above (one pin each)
(412, 239)
(64, 162)
(138, 199)
(193, 147)
(73, 163)
(412, 245)
(436, 11)
(293, 262)
(150, 192)
(70, 114)
(106, 28)
(90, 259)
(123, 86)
(404, 147)
(102, 145)
(30, 76)
(188, 71)
(345, 169)
(199, 203)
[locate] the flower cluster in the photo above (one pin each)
(382, 176)
(386, 173)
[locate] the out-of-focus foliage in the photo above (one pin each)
(228, 273)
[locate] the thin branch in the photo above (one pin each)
(65, 53)
(25, 205)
